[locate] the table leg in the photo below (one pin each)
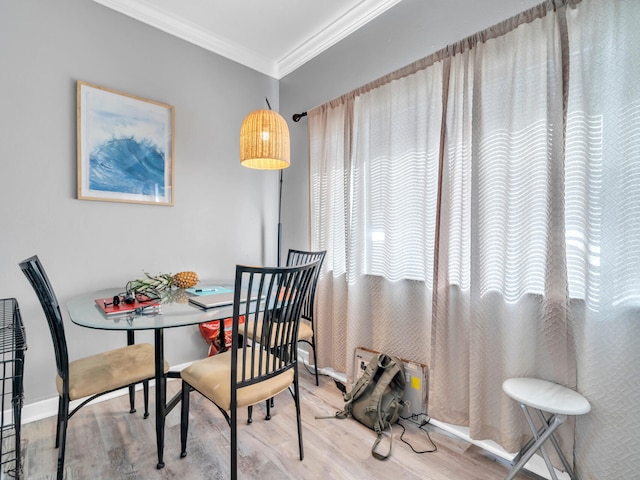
(132, 388)
(161, 394)
(221, 338)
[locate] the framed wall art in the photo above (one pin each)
(125, 147)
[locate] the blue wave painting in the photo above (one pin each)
(127, 165)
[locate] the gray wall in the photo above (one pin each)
(407, 32)
(224, 213)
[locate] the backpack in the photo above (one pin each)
(376, 398)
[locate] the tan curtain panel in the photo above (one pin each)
(481, 210)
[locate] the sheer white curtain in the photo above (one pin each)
(603, 231)
(380, 217)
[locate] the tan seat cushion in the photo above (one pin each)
(110, 370)
(305, 332)
(212, 377)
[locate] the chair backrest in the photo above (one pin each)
(272, 311)
(36, 275)
(299, 257)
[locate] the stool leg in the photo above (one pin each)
(543, 450)
(554, 423)
(530, 443)
(556, 445)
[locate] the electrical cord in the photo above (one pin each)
(423, 422)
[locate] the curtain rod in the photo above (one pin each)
(527, 16)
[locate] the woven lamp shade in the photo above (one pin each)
(264, 141)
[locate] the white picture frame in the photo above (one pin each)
(125, 147)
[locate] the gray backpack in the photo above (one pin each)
(376, 398)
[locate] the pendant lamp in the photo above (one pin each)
(264, 145)
(264, 141)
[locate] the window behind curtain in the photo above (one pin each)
(395, 176)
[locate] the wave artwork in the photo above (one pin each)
(126, 165)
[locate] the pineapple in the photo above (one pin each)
(185, 279)
(163, 281)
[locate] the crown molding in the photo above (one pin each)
(191, 33)
(355, 18)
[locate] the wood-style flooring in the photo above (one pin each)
(104, 441)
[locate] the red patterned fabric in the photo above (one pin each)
(210, 332)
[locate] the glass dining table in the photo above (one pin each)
(84, 311)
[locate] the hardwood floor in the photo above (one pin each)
(104, 441)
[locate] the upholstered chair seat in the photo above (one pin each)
(110, 370)
(210, 377)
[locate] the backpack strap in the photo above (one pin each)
(388, 377)
(380, 456)
(391, 369)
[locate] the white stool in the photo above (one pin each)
(544, 397)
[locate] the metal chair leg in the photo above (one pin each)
(59, 421)
(296, 399)
(132, 399)
(145, 390)
(315, 358)
(233, 423)
(62, 430)
(184, 419)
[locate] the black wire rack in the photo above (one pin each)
(12, 347)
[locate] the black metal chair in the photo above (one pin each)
(306, 332)
(90, 376)
(263, 359)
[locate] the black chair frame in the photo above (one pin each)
(299, 257)
(295, 258)
(35, 273)
(280, 293)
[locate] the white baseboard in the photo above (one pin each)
(303, 356)
(535, 465)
